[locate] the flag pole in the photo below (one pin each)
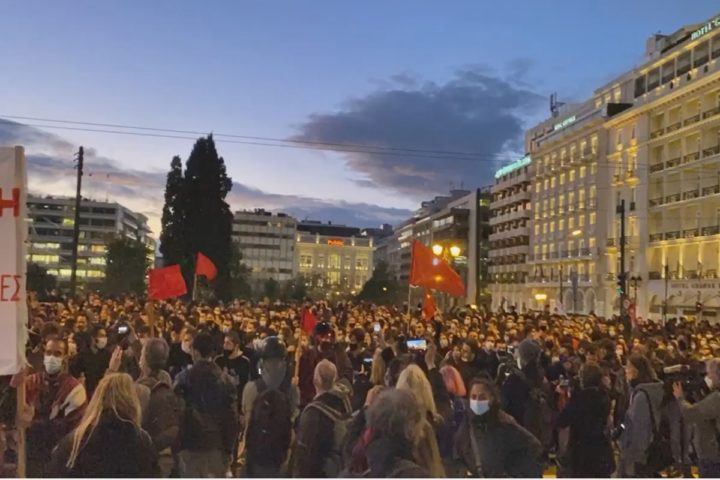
(20, 428)
(194, 295)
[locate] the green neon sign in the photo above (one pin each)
(513, 166)
(705, 29)
(565, 123)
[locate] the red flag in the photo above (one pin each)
(205, 266)
(429, 308)
(432, 272)
(308, 321)
(166, 283)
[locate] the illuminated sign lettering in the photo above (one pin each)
(336, 242)
(513, 166)
(565, 123)
(705, 29)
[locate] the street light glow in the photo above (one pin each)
(454, 251)
(576, 233)
(541, 297)
(437, 249)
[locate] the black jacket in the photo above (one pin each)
(393, 458)
(116, 449)
(93, 364)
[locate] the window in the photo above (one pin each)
(668, 71)
(581, 221)
(45, 258)
(537, 187)
(546, 184)
(632, 135)
(592, 218)
(552, 227)
(321, 261)
(592, 242)
(583, 170)
(571, 245)
(306, 261)
(571, 201)
(561, 204)
(552, 206)
(593, 191)
(562, 179)
(98, 261)
(361, 263)
(619, 139)
(537, 229)
(701, 54)
(571, 223)
(632, 163)
(561, 225)
(593, 169)
(581, 198)
(98, 248)
(544, 228)
(347, 264)
(683, 65)
(572, 175)
(552, 182)
(333, 278)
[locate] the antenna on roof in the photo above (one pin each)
(555, 104)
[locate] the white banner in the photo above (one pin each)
(13, 247)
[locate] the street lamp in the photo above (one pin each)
(437, 249)
(576, 233)
(634, 283)
(454, 251)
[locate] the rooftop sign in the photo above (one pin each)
(565, 123)
(335, 242)
(513, 166)
(705, 29)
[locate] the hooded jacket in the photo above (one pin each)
(393, 458)
(704, 415)
(308, 362)
(274, 376)
(638, 433)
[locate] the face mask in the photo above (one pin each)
(186, 348)
(101, 342)
(53, 365)
(479, 407)
(709, 382)
(226, 329)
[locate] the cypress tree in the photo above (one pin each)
(171, 237)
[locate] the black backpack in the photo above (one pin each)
(539, 416)
(659, 453)
(164, 415)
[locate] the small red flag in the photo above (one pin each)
(166, 282)
(205, 266)
(309, 320)
(429, 308)
(433, 272)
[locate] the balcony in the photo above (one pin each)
(691, 120)
(711, 113)
(617, 178)
(691, 157)
(672, 235)
(658, 167)
(690, 195)
(657, 133)
(710, 231)
(610, 242)
(632, 206)
(656, 237)
(673, 127)
(654, 202)
(585, 252)
(691, 233)
(655, 275)
(672, 198)
(714, 190)
(709, 152)
(673, 162)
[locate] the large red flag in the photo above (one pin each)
(205, 266)
(433, 272)
(308, 321)
(429, 308)
(166, 282)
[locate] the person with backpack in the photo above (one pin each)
(527, 395)
(268, 436)
(640, 441)
(323, 426)
(162, 415)
(210, 424)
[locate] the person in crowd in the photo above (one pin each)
(163, 410)
(233, 363)
(325, 348)
(268, 435)
(396, 422)
(318, 452)
(210, 427)
(490, 443)
(704, 416)
(642, 418)
(584, 427)
(56, 402)
(109, 441)
(91, 364)
(181, 351)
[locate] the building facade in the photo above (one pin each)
(51, 223)
(335, 265)
(673, 135)
(510, 238)
(267, 243)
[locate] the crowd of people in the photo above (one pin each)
(133, 388)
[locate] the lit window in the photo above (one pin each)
(537, 187)
(562, 179)
(593, 169)
(593, 191)
(544, 228)
(571, 223)
(561, 225)
(582, 172)
(592, 218)
(552, 227)
(98, 248)
(581, 221)
(97, 261)
(572, 175)
(537, 229)
(552, 182)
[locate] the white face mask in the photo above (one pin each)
(101, 342)
(53, 364)
(479, 407)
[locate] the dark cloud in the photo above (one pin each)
(51, 172)
(477, 111)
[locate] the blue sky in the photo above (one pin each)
(314, 70)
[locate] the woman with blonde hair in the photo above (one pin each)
(427, 452)
(108, 441)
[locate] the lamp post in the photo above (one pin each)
(634, 280)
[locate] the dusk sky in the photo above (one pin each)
(461, 76)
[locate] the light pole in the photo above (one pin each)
(634, 284)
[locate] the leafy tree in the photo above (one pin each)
(382, 287)
(271, 289)
(295, 289)
(239, 275)
(39, 280)
(126, 266)
(196, 217)
(171, 239)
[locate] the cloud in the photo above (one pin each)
(51, 172)
(477, 111)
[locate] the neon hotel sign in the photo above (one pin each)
(705, 29)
